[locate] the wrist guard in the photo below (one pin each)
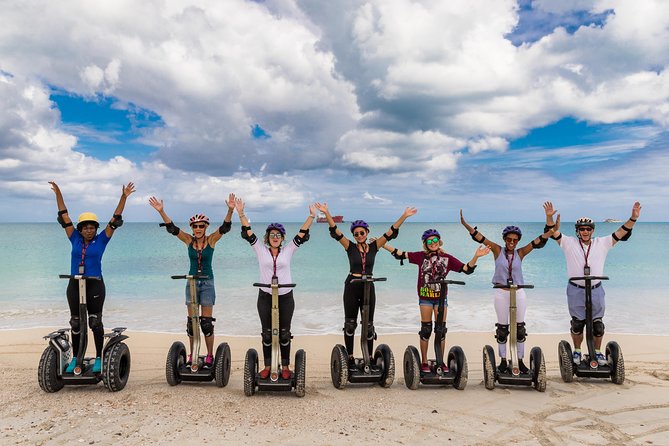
(116, 221)
(299, 239)
(470, 269)
(171, 228)
(61, 220)
(249, 238)
(540, 244)
(556, 238)
(333, 233)
(225, 227)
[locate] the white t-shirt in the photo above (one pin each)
(574, 253)
(266, 264)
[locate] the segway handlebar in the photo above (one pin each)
(590, 278)
(369, 279)
(188, 276)
(280, 285)
(78, 276)
(513, 285)
(447, 282)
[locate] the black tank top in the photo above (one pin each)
(355, 258)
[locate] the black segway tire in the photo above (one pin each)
(489, 367)
(300, 372)
(384, 358)
(222, 364)
(615, 356)
(339, 366)
(566, 361)
(457, 363)
(250, 372)
(116, 367)
(411, 367)
(538, 369)
(47, 371)
(176, 357)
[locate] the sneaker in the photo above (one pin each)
(97, 366)
(71, 366)
(286, 373)
(264, 373)
(503, 367)
(189, 360)
(444, 368)
(576, 357)
(209, 361)
(351, 363)
(601, 359)
(522, 367)
(425, 368)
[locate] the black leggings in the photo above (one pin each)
(95, 300)
(354, 295)
(286, 309)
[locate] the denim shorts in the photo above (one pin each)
(204, 292)
(432, 303)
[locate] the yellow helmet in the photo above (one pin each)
(87, 217)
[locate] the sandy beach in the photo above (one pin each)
(149, 411)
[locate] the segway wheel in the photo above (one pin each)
(538, 368)
(457, 363)
(615, 356)
(47, 371)
(250, 372)
(411, 367)
(300, 372)
(489, 367)
(385, 359)
(176, 358)
(339, 366)
(116, 367)
(222, 364)
(566, 362)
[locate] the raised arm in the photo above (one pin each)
(227, 222)
(247, 233)
(335, 233)
(470, 266)
(63, 216)
(625, 231)
(303, 234)
(480, 238)
(117, 219)
(399, 255)
(550, 224)
(392, 232)
(540, 241)
(167, 221)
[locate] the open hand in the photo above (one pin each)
(156, 204)
(230, 202)
(127, 190)
(548, 209)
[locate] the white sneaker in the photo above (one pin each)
(576, 357)
(601, 359)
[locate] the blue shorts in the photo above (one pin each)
(204, 292)
(432, 302)
(576, 302)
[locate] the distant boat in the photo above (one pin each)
(612, 220)
(337, 219)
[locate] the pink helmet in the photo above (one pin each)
(197, 218)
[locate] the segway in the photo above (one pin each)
(274, 381)
(379, 369)
(456, 360)
(589, 367)
(51, 372)
(536, 374)
(176, 367)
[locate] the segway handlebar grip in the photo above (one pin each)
(77, 276)
(269, 285)
(499, 285)
(448, 282)
(194, 276)
(590, 278)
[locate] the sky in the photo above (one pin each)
(492, 106)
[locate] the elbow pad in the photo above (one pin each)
(399, 257)
(470, 269)
(393, 233)
(116, 221)
(225, 227)
(301, 239)
(249, 238)
(624, 238)
(333, 233)
(548, 228)
(61, 220)
(540, 244)
(171, 228)
(474, 234)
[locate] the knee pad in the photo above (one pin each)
(95, 322)
(75, 324)
(371, 334)
(501, 333)
(284, 337)
(577, 326)
(425, 331)
(440, 330)
(207, 325)
(521, 332)
(189, 326)
(598, 327)
(350, 325)
(266, 337)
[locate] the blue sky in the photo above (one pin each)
(493, 106)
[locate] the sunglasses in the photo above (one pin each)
(584, 229)
(359, 233)
(201, 226)
(432, 240)
(275, 235)
(512, 240)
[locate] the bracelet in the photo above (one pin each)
(242, 215)
(312, 216)
(633, 219)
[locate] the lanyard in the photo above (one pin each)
(586, 268)
(510, 260)
(274, 258)
(199, 254)
(84, 247)
(363, 256)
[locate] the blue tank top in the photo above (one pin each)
(502, 268)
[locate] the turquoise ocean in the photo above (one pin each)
(141, 257)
